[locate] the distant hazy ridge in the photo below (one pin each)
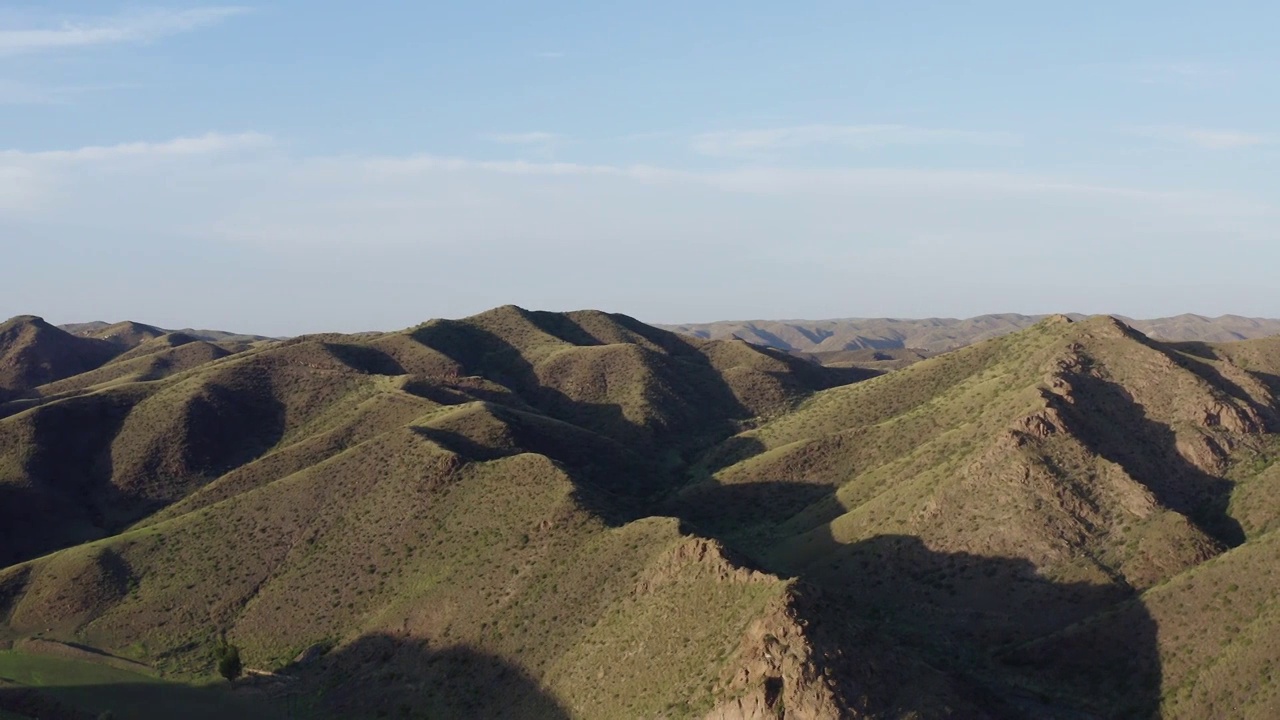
(939, 334)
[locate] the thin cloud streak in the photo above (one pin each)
(1206, 138)
(556, 233)
(206, 144)
(524, 138)
(1175, 73)
(122, 29)
(737, 143)
(270, 197)
(749, 179)
(13, 93)
(773, 180)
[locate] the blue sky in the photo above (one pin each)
(293, 167)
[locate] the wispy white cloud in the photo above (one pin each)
(206, 144)
(420, 164)
(525, 138)
(553, 234)
(135, 27)
(1176, 72)
(538, 144)
(249, 195)
(17, 93)
(31, 182)
(732, 143)
(1206, 138)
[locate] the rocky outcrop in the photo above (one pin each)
(707, 558)
(778, 674)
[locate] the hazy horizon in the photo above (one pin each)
(725, 320)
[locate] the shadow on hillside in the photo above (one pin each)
(1211, 375)
(697, 406)
(74, 496)
(1273, 384)
(381, 676)
(606, 483)
(378, 676)
(230, 426)
(69, 461)
(484, 354)
(365, 359)
(1110, 423)
(968, 617)
(142, 701)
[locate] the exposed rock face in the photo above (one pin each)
(1232, 417)
(779, 674)
(1041, 424)
(710, 557)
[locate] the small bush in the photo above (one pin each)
(227, 657)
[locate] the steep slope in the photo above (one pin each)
(984, 498)
(942, 334)
(33, 352)
(1216, 650)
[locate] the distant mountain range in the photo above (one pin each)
(129, 332)
(941, 334)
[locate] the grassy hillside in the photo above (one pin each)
(973, 502)
(33, 352)
(44, 685)
(463, 502)
(537, 514)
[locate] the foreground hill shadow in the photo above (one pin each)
(966, 616)
(385, 676)
(377, 676)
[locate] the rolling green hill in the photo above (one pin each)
(531, 514)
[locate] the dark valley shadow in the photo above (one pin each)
(1111, 424)
(697, 406)
(142, 700)
(377, 676)
(887, 613)
(383, 676)
(71, 495)
(71, 492)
